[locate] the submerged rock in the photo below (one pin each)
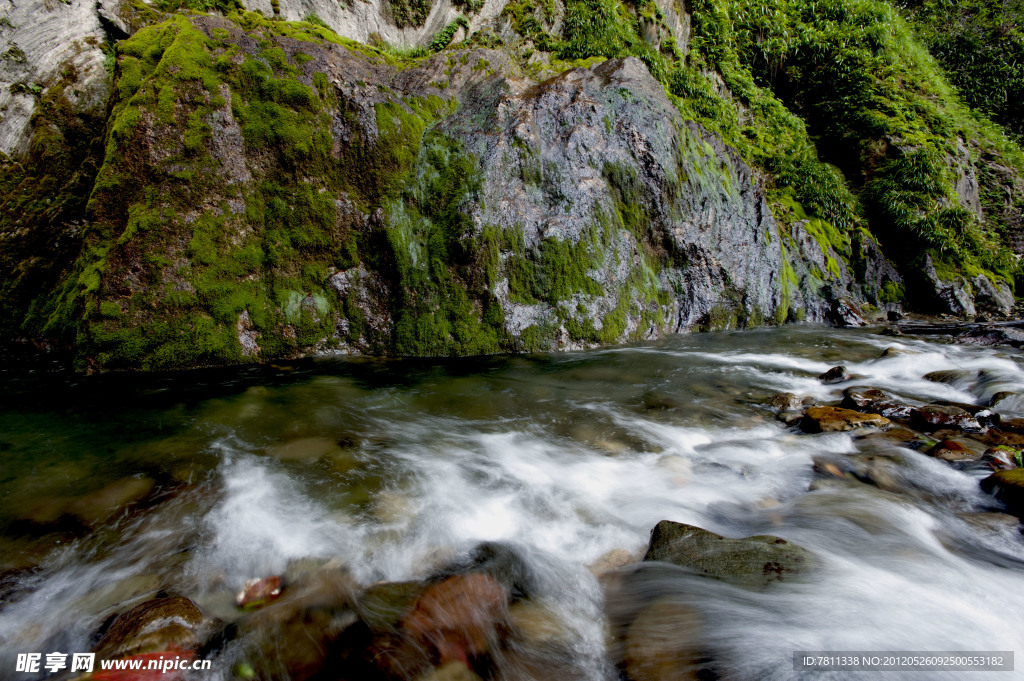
(259, 592)
(750, 561)
(874, 401)
(835, 419)
(664, 643)
(1007, 487)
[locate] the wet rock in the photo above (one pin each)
(836, 374)
(305, 449)
(950, 376)
(991, 522)
(790, 417)
(936, 416)
(259, 592)
(1002, 458)
(172, 623)
(1012, 425)
(103, 504)
(951, 450)
(291, 636)
(835, 419)
(1007, 487)
(452, 671)
(612, 560)
(892, 331)
(991, 336)
(536, 625)
(664, 644)
(893, 351)
(874, 401)
(893, 316)
(1000, 436)
(383, 606)
(784, 402)
(751, 561)
(459, 618)
(880, 471)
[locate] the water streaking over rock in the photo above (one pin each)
(491, 517)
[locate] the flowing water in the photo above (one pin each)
(397, 468)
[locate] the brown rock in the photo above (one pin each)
(154, 626)
(784, 402)
(664, 644)
(1002, 458)
(951, 450)
(1007, 487)
(459, 618)
(936, 416)
(258, 592)
(834, 419)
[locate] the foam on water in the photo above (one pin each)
(896, 571)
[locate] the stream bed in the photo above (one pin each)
(546, 472)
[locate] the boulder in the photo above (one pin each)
(845, 314)
(951, 450)
(103, 504)
(458, 619)
(836, 374)
(1002, 458)
(835, 419)
(161, 624)
(784, 402)
(874, 401)
(936, 416)
(993, 336)
(751, 561)
(1007, 487)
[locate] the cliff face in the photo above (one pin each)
(252, 189)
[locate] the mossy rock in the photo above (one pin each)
(750, 561)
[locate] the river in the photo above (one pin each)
(395, 469)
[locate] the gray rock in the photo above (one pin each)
(992, 297)
(751, 561)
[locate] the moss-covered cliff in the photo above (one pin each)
(560, 175)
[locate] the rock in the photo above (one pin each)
(1002, 458)
(874, 401)
(790, 417)
(893, 351)
(948, 297)
(893, 316)
(171, 623)
(98, 506)
(751, 561)
(612, 560)
(537, 625)
(998, 436)
(784, 402)
(845, 314)
(663, 643)
(891, 331)
(384, 606)
(459, 618)
(305, 449)
(935, 417)
(836, 374)
(1007, 487)
(991, 522)
(950, 376)
(996, 298)
(259, 592)
(835, 419)
(993, 336)
(451, 671)
(951, 450)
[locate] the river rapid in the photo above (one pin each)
(397, 470)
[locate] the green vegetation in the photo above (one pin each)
(980, 45)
